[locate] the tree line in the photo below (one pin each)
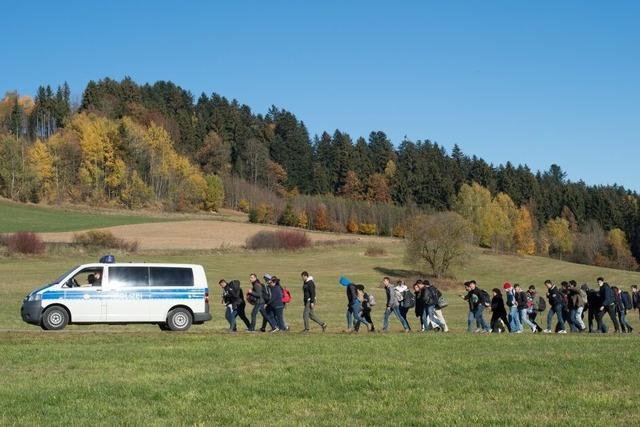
(213, 136)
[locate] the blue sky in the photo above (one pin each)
(531, 82)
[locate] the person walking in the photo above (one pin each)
(522, 304)
(276, 304)
(408, 301)
(593, 307)
(419, 304)
(230, 299)
(576, 306)
(554, 296)
(309, 298)
(608, 304)
(354, 307)
(623, 303)
(258, 293)
(512, 306)
(368, 301)
(635, 298)
(478, 300)
(430, 298)
(535, 305)
(498, 313)
(394, 297)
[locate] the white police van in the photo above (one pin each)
(173, 296)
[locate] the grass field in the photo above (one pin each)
(20, 217)
(136, 374)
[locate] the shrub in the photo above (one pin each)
(375, 250)
(352, 225)
(275, 240)
(303, 220)
(24, 242)
(368, 229)
(101, 239)
(244, 206)
(321, 222)
(253, 215)
(398, 231)
(288, 217)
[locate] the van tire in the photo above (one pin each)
(54, 318)
(179, 319)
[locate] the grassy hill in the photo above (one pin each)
(105, 374)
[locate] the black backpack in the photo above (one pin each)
(542, 304)
(485, 299)
(408, 299)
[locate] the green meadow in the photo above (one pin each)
(136, 374)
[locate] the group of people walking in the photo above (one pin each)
(517, 309)
(567, 303)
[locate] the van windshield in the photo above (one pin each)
(59, 279)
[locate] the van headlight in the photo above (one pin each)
(35, 297)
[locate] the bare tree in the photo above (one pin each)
(439, 240)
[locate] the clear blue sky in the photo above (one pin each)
(532, 82)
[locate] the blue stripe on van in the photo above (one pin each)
(128, 294)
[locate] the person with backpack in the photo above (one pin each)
(512, 307)
(478, 299)
(576, 306)
(231, 301)
(566, 314)
(394, 297)
(441, 304)
(498, 313)
(608, 304)
(522, 303)
(368, 301)
(408, 301)
(309, 298)
(635, 298)
(430, 298)
(354, 306)
(536, 304)
(257, 295)
(276, 304)
(593, 306)
(554, 296)
(623, 303)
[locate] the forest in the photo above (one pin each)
(158, 146)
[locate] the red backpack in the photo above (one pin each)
(286, 296)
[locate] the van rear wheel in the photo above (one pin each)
(179, 319)
(54, 319)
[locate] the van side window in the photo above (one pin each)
(128, 276)
(91, 276)
(171, 276)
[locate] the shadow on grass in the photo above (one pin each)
(398, 272)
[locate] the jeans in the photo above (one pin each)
(239, 312)
(477, 315)
(624, 323)
(556, 309)
(429, 315)
(395, 310)
(278, 317)
(524, 319)
(514, 319)
(260, 307)
(356, 312)
(576, 316)
(230, 315)
(403, 313)
(471, 319)
(611, 309)
(307, 314)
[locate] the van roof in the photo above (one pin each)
(140, 264)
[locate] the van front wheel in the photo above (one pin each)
(179, 319)
(54, 319)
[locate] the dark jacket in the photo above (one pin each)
(473, 298)
(231, 294)
(593, 301)
(575, 299)
(511, 299)
(497, 306)
(554, 296)
(419, 307)
(521, 300)
(365, 304)
(635, 299)
(429, 296)
(606, 295)
(256, 291)
(626, 300)
(309, 291)
(352, 293)
(276, 296)
(619, 303)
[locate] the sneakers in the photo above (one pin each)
(519, 331)
(324, 326)
(275, 330)
(534, 329)
(547, 331)
(562, 331)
